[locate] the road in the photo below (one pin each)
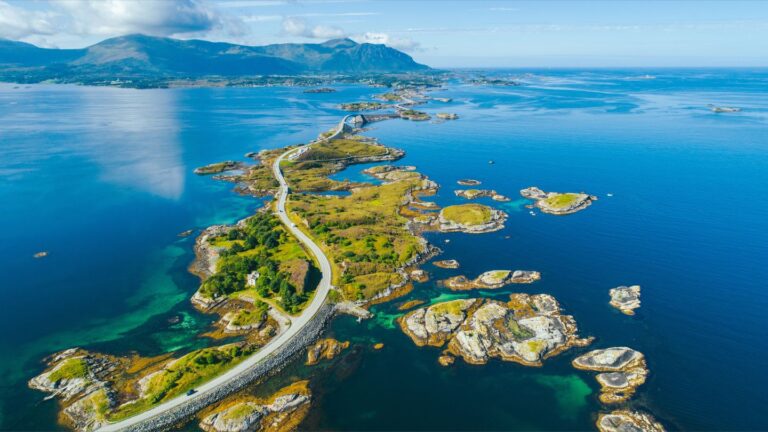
(297, 323)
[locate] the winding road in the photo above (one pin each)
(297, 323)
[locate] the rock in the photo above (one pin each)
(378, 346)
(623, 370)
(186, 233)
(325, 349)
(526, 330)
(350, 308)
(446, 360)
(447, 264)
(625, 299)
(282, 413)
(447, 116)
(492, 279)
(558, 203)
(468, 182)
(419, 275)
(628, 421)
(41, 254)
(434, 325)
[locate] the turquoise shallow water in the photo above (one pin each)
(102, 179)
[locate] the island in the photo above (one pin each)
(626, 299)
(470, 218)
(320, 90)
(281, 412)
(411, 114)
(623, 370)
(628, 421)
(471, 194)
(447, 116)
(361, 106)
(446, 264)
(492, 279)
(325, 349)
(216, 168)
(527, 329)
(468, 182)
(558, 203)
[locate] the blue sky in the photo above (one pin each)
(438, 33)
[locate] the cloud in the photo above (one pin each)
(156, 17)
(401, 43)
(295, 26)
(17, 23)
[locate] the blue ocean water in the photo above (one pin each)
(102, 178)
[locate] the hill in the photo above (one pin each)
(141, 56)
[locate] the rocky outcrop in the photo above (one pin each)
(492, 279)
(623, 370)
(468, 182)
(625, 299)
(419, 275)
(471, 194)
(558, 203)
(218, 167)
(447, 116)
(628, 421)
(526, 330)
(282, 412)
(447, 264)
(351, 308)
(80, 380)
(325, 349)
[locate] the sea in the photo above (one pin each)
(102, 179)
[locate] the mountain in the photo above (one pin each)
(149, 56)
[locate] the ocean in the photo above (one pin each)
(102, 179)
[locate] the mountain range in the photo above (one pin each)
(159, 57)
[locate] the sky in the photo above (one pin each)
(440, 33)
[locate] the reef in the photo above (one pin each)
(558, 203)
(325, 349)
(625, 299)
(628, 421)
(623, 370)
(528, 329)
(492, 279)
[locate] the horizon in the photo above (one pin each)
(485, 34)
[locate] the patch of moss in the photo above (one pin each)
(467, 214)
(563, 200)
(70, 369)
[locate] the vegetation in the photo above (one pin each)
(563, 200)
(453, 307)
(412, 114)
(390, 97)
(262, 245)
(70, 369)
(186, 373)
(244, 317)
(217, 167)
(467, 214)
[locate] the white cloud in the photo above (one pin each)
(295, 26)
(401, 43)
(17, 23)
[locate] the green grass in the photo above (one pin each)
(69, 369)
(563, 200)
(239, 411)
(454, 307)
(467, 214)
(245, 317)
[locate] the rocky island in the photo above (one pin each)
(411, 114)
(527, 329)
(325, 349)
(470, 218)
(622, 371)
(446, 264)
(282, 412)
(628, 421)
(468, 182)
(492, 280)
(558, 203)
(219, 167)
(447, 116)
(626, 299)
(471, 194)
(320, 90)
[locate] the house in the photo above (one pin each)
(251, 279)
